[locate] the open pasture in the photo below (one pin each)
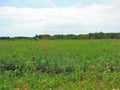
(60, 65)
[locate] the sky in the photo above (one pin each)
(31, 17)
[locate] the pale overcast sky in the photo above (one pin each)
(30, 17)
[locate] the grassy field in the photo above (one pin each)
(60, 65)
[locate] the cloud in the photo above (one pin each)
(71, 19)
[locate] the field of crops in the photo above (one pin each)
(60, 65)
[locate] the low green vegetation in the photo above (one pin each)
(60, 65)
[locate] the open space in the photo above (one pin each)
(59, 64)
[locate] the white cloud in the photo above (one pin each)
(96, 15)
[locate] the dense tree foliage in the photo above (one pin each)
(99, 35)
(21, 37)
(4, 38)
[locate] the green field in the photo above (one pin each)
(60, 65)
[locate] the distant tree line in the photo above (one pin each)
(4, 38)
(99, 35)
(14, 38)
(21, 37)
